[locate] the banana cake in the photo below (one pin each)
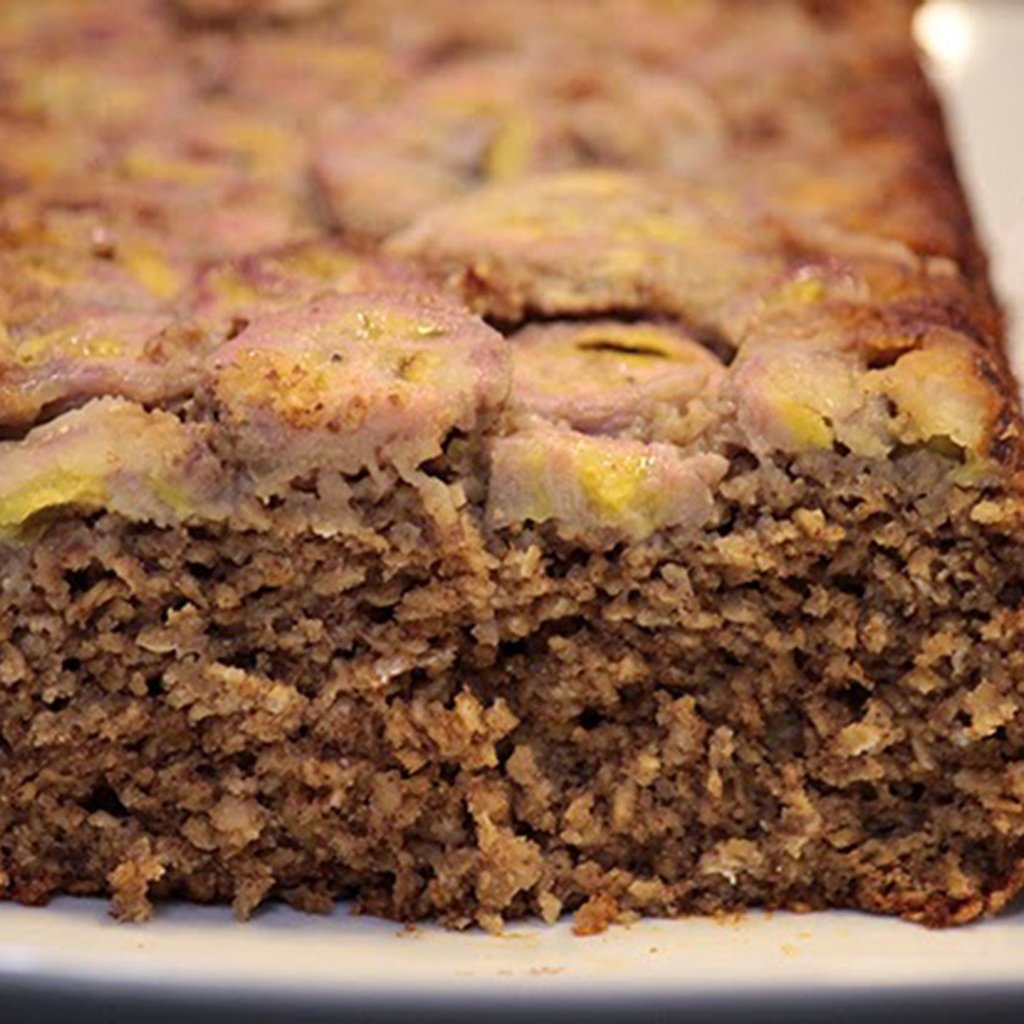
(492, 460)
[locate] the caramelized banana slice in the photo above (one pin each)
(591, 242)
(599, 486)
(230, 293)
(110, 93)
(110, 454)
(45, 288)
(495, 119)
(148, 357)
(354, 382)
(803, 396)
(600, 376)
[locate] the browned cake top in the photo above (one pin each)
(620, 240)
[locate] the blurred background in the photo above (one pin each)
(975, 53)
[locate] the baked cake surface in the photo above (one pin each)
(487, 465)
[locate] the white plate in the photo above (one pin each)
(72, 955)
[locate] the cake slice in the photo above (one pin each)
(499, 487)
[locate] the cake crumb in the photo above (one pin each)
(596, 915)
